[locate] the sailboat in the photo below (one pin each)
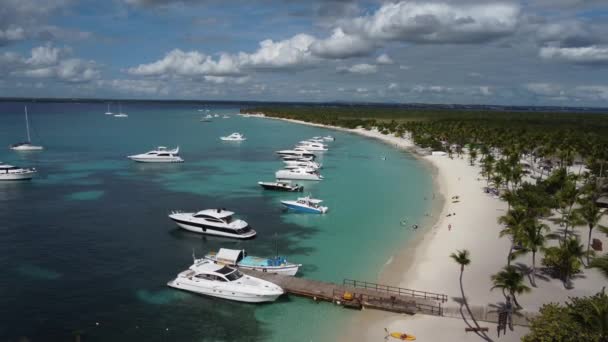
(108, 111)
(27, 145)
(120, 113)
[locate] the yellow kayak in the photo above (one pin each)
(402, 336)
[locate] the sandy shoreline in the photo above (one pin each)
(423, 263)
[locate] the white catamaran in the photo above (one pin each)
(26, 145)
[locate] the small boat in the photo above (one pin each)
(26, 145)
(297, 151)
(306, 205)
(213, 222)
(299, 173)
(234, 137)
(240, 259)
(225, 117)
(401, 336)
(108, 111)
(301, 163)
(160, 155)
(213, 279)
(120, 113)
(329, 138)
(216, 116)
(11, 173)
(312, 146)
(281, 186)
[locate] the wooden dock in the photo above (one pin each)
(359, 294)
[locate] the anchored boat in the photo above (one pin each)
(240, 259)
(306, 205)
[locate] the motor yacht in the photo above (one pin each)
(315, 140)
(11, 173)
(312, 146)
(305, 164)
(306, 205)
(217, 280)
(329, 138)
(281, 186)
(234, 137)
(26, 145)
(213, 222)
(299, 173)
(240, 259)
(160, 155)
(297, 151)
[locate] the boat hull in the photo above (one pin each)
(286, 270)
(230, 294)
(210, 230)
(295, 176)
(280, 188)
(156, 160)
(27, 148)
(17, 176)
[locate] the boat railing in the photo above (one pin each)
(395, 290)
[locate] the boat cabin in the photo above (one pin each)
(215, 215)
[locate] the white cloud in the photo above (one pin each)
(224, 79)
(341, 45)
(545, 89)
(438, 22)
(11, 34)
(384, 59)
(392, 86)
(361, 90)
(582, 55)
(292, 52)
(362, 68)
(147, 87)
(44, 55)
(192, 63)
(434, 89)
(404, 67)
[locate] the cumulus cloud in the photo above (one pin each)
(580, 55)
(362, 68)
(435, 22)
(292, 52)
(384, 59)
(147, 87)
(190, 63)
(341, 45)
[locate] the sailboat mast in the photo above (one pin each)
(27, 126)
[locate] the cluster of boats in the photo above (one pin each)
(120, 114)
(15, 173)
(210, 117)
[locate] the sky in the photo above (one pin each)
(510, 52)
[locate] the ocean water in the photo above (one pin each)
(87, 248)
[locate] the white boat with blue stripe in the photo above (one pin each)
(240, 259)
(306, 205)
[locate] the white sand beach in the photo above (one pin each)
(424, 262)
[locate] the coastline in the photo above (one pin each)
(423, 262)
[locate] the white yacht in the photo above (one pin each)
(306, 205)
(108, 111)
(213, 222)
(10, 173)
(304, 164)
(329, 138)
(217, 280)
(26, 145)
(299, 173)
(240, 259)
(312, 146)
(120, 113)
(297, 151)
(160, 155)
(234, 137)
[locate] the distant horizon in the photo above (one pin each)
(413, 105)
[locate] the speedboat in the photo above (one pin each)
(234, 137)
(306, 205)
(312, 146)
(298, 163)
(217, 280)
(240, 259)
(10, 173)
(287, 157)
(26, 145)
(299, 173)
(213, 222)
(160, 155)
(297, 151)
(329, 138)
(281, 186)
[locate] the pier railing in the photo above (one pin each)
(396, 304)
(395, 290)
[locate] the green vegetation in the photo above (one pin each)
(580, 319)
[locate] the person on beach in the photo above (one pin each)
(450, 227)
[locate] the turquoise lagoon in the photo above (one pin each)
(87, 246)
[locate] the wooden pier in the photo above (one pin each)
(359, 294)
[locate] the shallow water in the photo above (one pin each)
(87, 246)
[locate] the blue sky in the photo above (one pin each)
(534, 52)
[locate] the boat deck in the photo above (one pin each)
(359, 294)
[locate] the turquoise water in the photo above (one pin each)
(88, 247)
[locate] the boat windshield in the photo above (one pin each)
(228, 219)
(234, 275)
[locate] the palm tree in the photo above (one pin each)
(533, 239)
(601, 263)
(515, 220)
(510, 280)
(462, 258)
(590, 214)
